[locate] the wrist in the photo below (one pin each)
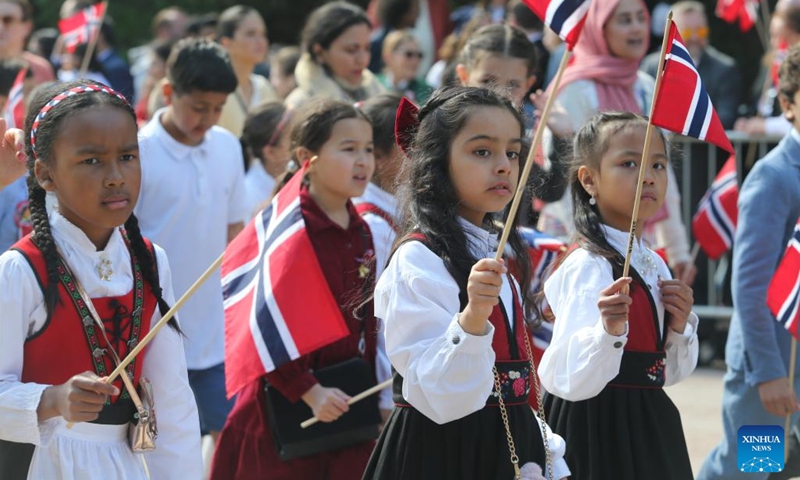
(311, 395)
(47, 408)
(472, 323)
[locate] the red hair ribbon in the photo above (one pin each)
(406, 124)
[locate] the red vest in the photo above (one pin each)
(64, 348)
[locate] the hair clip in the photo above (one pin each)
(406, 123)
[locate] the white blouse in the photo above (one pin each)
(24, 314)
(582, 357)
(447, 373)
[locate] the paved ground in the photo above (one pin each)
(699, 399)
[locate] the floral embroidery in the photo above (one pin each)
(514, 382)
(656, 372)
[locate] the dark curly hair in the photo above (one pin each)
(428, 200)
(46, 136)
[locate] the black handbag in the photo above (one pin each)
(359, 424)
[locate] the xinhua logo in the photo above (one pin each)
(761, 448)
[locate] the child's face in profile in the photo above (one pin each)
(193, 113)
(614, 185)
(484, 162)
(506, 75)
(95, 171)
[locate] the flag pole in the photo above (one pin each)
(357, 398)
(92, 46)
(692, 260)
(537, 140)
(788, 423)
(646, 151)
(158, 326)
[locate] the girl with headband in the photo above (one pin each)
(79, 293)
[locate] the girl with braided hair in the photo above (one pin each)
(54, 351)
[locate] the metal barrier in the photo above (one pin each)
(696, 164)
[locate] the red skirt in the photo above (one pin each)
(245, 450)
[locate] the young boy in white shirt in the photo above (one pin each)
(192, 203)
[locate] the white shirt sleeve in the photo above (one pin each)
(238, 210)
(582, 357)
(178, 440)
(21, 304)
(447, 372)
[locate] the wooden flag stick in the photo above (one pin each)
(695, 252)
(92, 46)
(537, 140)
(788, 424)
(646, 152)
(357, 398)
(158, 326)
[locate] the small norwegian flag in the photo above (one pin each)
(714, 224)
(683, 105)
(81, 27)
(543, 251)
(269, 272)
(743, 11)
(14, 111)
(783, 296)
(564, 17)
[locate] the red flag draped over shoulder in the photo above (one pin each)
(714, 224)
(783, 296)
(278, 305)
(683, 105)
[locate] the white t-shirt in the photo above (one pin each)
(259, 185)
(189, 196)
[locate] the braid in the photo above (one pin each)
(147, 262)
(43, 239)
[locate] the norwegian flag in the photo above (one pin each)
(714, 224)
(14, 111)
(683, 105)
(783, 296)
(543, 251)
(564, 17)
(269, 273)
(743, 11)
(82, 27)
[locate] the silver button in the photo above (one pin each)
(456, 340)
(617, 344)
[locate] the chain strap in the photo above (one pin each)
(504, 415)
(540, 403)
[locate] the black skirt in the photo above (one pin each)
(413, 447)
(622, 433)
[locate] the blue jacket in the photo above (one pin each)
(769, 205)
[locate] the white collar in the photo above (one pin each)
(176, 149)
(482, 243)
(641, 256)
(72, 239)
(795, 135)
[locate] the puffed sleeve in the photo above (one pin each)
(178, 442)
(21, 304)
(582, 357)
(447, 372)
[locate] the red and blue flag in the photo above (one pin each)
(278, 306)
(564, 17)
(714, 224)
(14, 111)
(783, 296)
(682, 104)
(81, 27)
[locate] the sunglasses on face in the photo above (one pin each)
(699, 32)
(412, 55)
